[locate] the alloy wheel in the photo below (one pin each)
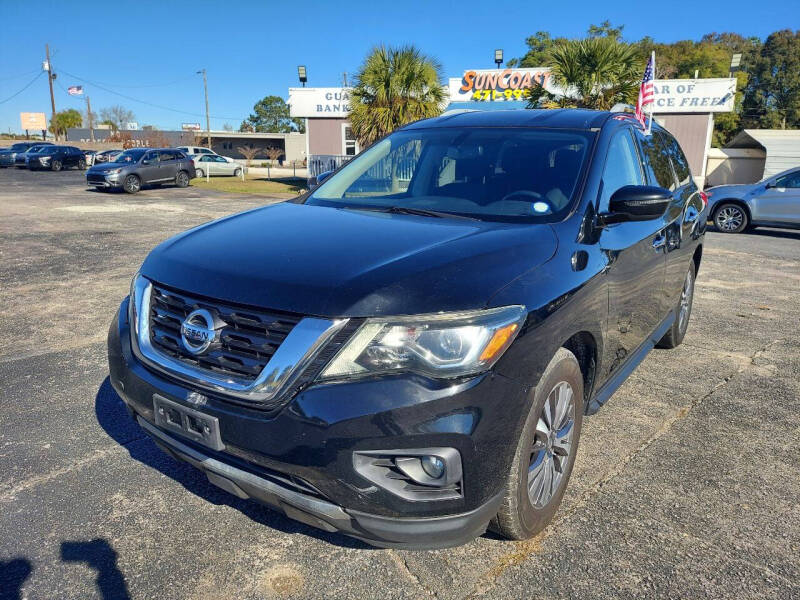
(132, 184)
(199, 173)
(552, 445)
(685, 306)
(56, 166)
(730, 218)
(182, 180)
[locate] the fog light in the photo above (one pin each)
(433, 466)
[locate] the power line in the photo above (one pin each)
(132, 99)
(30, 83)
(18, 75)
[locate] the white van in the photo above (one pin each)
(194, 151)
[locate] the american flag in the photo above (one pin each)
(75, 90)
(646, 92)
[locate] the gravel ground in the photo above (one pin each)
(686, 483)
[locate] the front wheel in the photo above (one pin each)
(237, 173)
(546, 450)
(683, 311)
(132, 184)
(182, 179)
(82, 165)
(730, 218)
(56, 165)
(199, 173)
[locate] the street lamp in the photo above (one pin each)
(301, 73)
(736, 60)
(498, 57)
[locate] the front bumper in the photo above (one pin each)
(300, 459)
(101, 180)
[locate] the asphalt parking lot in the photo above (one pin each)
(686, 483)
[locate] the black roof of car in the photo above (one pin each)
(563, 118)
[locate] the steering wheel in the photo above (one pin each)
(524, 193)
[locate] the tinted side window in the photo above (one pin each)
(792, 180)
(151, 156)
(656, 161)
(167, 155)
(622, 167)
(678, 159)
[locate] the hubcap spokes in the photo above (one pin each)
(686, 302)
(552, 445)
(729, 218)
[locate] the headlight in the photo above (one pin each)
(113, 171)
(44, 159)
(439, 345)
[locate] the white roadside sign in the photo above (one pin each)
(694, 95)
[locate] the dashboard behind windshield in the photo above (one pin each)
(479, 172)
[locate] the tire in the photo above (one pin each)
(132, 184)
(683, 311)
(237, 172)
(56, 165)
(82, 165)
(182, 179)
(199, 173)
(730, 218)
(522, 514)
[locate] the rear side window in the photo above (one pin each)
(657, 163)
(622, 167)
(168, 155)
(204, 151)
(678, 159)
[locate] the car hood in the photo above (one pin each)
(340, 262)
(721, 192)
(103, 167)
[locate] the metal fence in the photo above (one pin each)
(319, 163)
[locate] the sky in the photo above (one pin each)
(145, 55)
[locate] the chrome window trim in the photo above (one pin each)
(297, 351)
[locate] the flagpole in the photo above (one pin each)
(652, 104)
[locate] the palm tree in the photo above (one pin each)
(595, 73)
(393, 87)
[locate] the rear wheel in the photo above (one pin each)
(56, 165)
(730, 218)
(182, 179)
(132, 184)
(545, 452)
(683, 311)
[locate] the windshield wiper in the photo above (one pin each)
(422, 212)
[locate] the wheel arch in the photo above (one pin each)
(584, 346)
(738, 202)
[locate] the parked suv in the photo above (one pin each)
(9, 155)
(21, 159)
(142, 166)
(408, 351)
(772, 202)
(56, 158)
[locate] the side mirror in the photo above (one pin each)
(146, 161)
(314, 182)
(637, 203)
(770, 185)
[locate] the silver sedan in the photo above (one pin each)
(213, 164)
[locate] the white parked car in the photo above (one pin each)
(214, 164)
(194, 151)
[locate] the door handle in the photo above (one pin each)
(660, 241)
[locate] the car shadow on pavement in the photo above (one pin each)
(13, 574)
(113, 417)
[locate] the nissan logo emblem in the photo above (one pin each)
(198, 331)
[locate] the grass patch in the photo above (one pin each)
(289, 186)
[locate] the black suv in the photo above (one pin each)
(407, 352)
(8, 156)
(142, 166)
(56, 158)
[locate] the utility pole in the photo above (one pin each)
(50, 82)
(208, 120)
(90, 118)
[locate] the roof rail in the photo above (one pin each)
(621, 107)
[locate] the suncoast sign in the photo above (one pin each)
(498, 84)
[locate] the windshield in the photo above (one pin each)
(503, 173)
(20, 147)
(130, 156)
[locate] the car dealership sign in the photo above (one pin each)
(498, 84)
(694, 95)
(319, 102)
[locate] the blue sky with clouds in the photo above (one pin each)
(144, 55)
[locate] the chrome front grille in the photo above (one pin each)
(247, 341)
